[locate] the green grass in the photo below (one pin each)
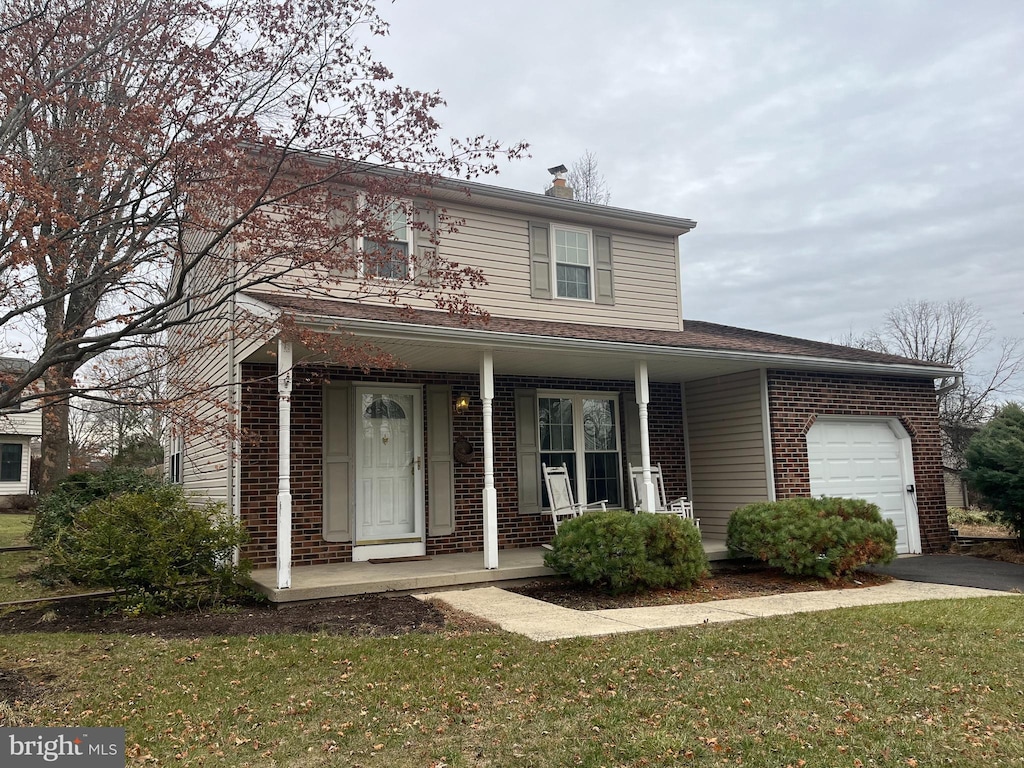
(14, 528)
(16, 582)
(897, 685)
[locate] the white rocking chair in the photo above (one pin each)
(681, 506)
(563, 504)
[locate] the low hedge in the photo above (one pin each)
(828, 538)
(154, 548)
(58, 508)
(624, 552)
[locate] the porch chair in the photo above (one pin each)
(681, 506)
(563, 504)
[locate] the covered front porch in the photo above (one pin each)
(318, 582)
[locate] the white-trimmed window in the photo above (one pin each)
(10, 462)
(174, 462)
(390, 260)
(573, 263)
(581, 430)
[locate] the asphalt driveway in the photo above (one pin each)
(960, 570)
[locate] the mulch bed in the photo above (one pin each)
(382, 615)
(16, 688)
(366, 615)
(725, 582)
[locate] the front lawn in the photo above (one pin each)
(16, 581)
(14, 529)
(920, 684)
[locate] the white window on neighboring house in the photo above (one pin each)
(581, 430)
(390, 260)
(573, 263)
(177, 453)
(10, 462)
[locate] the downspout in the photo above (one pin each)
(957, 378)
(234, 489)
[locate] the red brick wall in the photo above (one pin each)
(259, 460)
(797, 398)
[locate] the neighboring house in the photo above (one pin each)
(957, 494)
(586, 360)
(17, 429)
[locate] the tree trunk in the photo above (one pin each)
(56, 453)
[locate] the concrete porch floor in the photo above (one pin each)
(319, 582)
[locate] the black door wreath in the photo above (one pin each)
(463, 450)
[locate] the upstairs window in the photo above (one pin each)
(390, 260)
(571, 263)
(573, 267)
(10, 462)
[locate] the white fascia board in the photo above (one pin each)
(521, 341)
(256, 307)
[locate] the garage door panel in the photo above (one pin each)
(860, 460)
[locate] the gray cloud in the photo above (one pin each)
(838, 157)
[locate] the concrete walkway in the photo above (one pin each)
(543, 621)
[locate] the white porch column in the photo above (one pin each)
(490, 495)
(649, 496)
(284, 464)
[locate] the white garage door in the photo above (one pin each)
(863, 459)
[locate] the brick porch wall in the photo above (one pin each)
(796, 398)
(259, 460)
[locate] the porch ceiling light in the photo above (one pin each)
(462, 403)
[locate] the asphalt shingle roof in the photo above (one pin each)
(697, 335)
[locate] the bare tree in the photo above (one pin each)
(587, 182)
(955, 333)
(139, 137)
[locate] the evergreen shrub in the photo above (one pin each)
(828, 538)
(619, 551)
(57, 509)
(155, 549)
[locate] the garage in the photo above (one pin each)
(871, 460)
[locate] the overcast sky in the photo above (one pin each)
(838, 157)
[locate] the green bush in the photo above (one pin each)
(828, 538)
(74, 493)
(972, 516)
(995, 465)
(624, 552)
(154, 549)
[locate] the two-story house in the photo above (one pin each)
(17, 429)
(586, 360)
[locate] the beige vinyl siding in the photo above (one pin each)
(726, 448)
(207, 450)
(646, 274)
(954, 489)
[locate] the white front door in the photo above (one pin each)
(389, 473)
(866, 459)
